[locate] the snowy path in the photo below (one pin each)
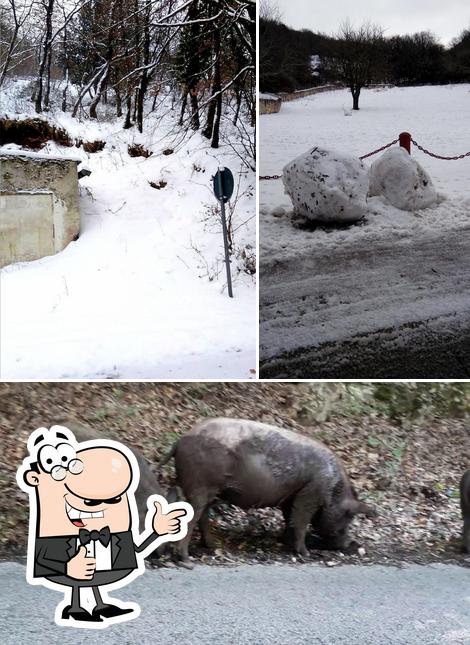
(388, 298)
(132, 298)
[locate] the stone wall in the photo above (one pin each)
(39, 209)
(299, 94)
(269, 104)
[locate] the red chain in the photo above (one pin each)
(431, 154)
(392, 143)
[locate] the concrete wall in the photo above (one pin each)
(269, 105)
(39, 209)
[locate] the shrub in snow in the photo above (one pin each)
(93, 146)
(326, 186)
(402, 181)
(32, 133)
(138, 150)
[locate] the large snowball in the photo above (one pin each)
(326, 186)
(402, 181)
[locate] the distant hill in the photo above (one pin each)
(291, 59)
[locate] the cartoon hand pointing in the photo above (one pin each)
(164, 523)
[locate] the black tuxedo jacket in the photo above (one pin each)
(51, 554)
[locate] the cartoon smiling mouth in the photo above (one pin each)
(76, 516)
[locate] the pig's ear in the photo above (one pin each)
(355, 507)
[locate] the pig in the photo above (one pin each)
(465, 506)
(255, 465)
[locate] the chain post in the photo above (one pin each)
(405, 141)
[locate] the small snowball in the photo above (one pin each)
(278, 211)
(399, 178)
(326, 186)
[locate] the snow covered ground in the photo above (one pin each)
(142, 292)
(389, 296)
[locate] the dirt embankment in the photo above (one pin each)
(411, 473)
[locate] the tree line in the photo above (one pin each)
(122, 53)
(287, 63)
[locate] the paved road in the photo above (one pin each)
(261, 604)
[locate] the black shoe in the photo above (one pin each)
(110, 611)
(81, 615)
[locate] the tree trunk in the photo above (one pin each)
(216, 87)
(118, 103)
(154, 102)
(216, 131)
(45, 54)
(39, 91)
(99, 92)
(64, 91)
(128, 121)
(195, 123)
(141, 92)
(183, 106)
(207, 132)
(355, 94)
(66, 73)
(144, 77)
(47, 93)
(237, 109)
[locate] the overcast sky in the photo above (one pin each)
(446, 18)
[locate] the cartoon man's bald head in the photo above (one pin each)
(80, 488)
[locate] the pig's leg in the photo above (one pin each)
(183, 545)
(199, 504)
(207, 538)
(288, 536)
(466, 535)
(304, 507)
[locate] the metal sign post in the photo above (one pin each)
(223, 189)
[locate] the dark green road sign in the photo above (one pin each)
(223, 189)
(223, 184)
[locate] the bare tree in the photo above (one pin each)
(269, 10)
(357, 58)
(15, 17)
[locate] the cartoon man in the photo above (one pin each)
(83, 519)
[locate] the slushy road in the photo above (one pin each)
(260, 604)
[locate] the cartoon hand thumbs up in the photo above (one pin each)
(81, 567)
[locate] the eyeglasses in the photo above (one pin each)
(75, 467)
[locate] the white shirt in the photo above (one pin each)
(102, 554)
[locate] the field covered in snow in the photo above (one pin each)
(142, 292)
(388, 296)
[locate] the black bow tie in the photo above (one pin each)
(85, 536)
